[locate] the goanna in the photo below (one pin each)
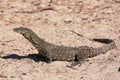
(64, 53)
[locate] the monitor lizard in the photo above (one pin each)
(54, 52)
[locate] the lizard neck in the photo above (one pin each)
(36, 41)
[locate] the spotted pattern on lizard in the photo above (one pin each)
(64, 53)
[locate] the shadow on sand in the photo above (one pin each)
(35, 57)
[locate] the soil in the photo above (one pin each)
(53, 20)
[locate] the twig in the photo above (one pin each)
(4, 42)
(37, 10)
(9, 40)
(3, 76)
(80, 35)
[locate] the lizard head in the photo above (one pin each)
(22, 30)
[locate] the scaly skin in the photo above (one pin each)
(64, 53)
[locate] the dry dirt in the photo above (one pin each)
(52, 20)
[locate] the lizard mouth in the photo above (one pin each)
(16, 30)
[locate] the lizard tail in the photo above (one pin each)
(109, 44)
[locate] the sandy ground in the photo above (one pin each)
(52, 20)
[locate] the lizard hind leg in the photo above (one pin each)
(74, 63)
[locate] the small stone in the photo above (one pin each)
(23, 73)
(12, 76)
